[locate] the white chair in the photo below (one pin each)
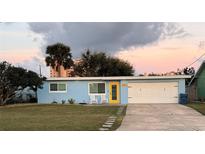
(103, 99)
(93, 99)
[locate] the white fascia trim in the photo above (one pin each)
(119, 78)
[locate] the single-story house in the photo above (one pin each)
(113, 90)
(196, 87)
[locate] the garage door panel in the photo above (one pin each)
(166, 92)
(153, 100)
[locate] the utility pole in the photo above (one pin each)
(40, 70)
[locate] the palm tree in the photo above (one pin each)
(58, 55)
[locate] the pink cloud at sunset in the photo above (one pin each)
(160, 60)
(17, 56)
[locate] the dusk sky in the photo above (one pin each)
(149, 47)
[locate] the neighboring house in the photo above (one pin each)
(113, 90)
(196, 87)
(62, 72)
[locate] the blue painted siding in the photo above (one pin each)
(182, 89)
(124, 92)
(107, 91)
(77, 90)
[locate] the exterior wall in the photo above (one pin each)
(201, 85)
(191, 91)
(124, 92)
(77, 90)
(182, 88)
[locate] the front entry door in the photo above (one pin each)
(114, 92)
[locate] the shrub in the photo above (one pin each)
(63, 101)
(54, 102)
(71, 101)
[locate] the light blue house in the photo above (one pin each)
(113, 90)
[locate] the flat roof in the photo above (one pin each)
(120, 78)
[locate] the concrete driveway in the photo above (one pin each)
(171, 117)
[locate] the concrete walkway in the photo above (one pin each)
(171, 117)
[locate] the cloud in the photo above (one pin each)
(105, 36)
(171, 48)
(34, 64)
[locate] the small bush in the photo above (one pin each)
(54, 102)
(33, 100)
(63, 101)
(71, 101)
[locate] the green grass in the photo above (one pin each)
(56, 117)
(200, 107)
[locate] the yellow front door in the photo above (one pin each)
(114, 93)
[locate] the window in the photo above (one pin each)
(53, 87)
(97, 88)
(62, 87)
(58, 87)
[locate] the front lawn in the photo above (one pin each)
(56, 117)
(200, 107)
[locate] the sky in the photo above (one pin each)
(150, 47)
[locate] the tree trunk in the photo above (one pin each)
(59, 71)
(3, 101)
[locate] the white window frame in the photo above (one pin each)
(96, 93)
(57, 84)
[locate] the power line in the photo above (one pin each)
(40, 70)
(196, 60)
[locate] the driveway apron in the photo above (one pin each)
(162, 117)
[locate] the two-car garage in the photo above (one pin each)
(153, 92)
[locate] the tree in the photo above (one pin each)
(118, 67)
(11, 78)
(189, 71)
(59, 55)
(99, 64)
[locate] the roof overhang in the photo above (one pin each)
(119, 78)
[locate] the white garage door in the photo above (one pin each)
(163, 92)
